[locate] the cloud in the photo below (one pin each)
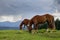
(16, 7)
(57, 4)
(10, 18)
(25, 8)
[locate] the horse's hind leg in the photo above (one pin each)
(54, 27)
(51, 27)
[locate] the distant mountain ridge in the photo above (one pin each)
(10, 24)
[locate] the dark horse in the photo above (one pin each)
(40, 20)
(25, 23)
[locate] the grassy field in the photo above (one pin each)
(24, 35)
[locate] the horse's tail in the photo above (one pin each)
(54, 27)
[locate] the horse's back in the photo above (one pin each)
(25, 21)
(38, 19)
(49, 17)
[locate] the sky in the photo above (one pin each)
(14, 10)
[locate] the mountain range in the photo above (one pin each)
(10, 24)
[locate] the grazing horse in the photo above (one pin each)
(40, 20)
(24, 22)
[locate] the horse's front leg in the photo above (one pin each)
(29, 28)
(35, 28)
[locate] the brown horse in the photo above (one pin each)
(40, 20)
(24, 22)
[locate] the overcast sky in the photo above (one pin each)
(20, 9)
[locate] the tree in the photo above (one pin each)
(57, 23)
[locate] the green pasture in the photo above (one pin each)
(25, 35)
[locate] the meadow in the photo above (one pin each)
(25, 35)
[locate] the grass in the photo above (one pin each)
(24, 35)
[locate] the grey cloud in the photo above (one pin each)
(57, 4)
(16, 7)
(58, 1)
